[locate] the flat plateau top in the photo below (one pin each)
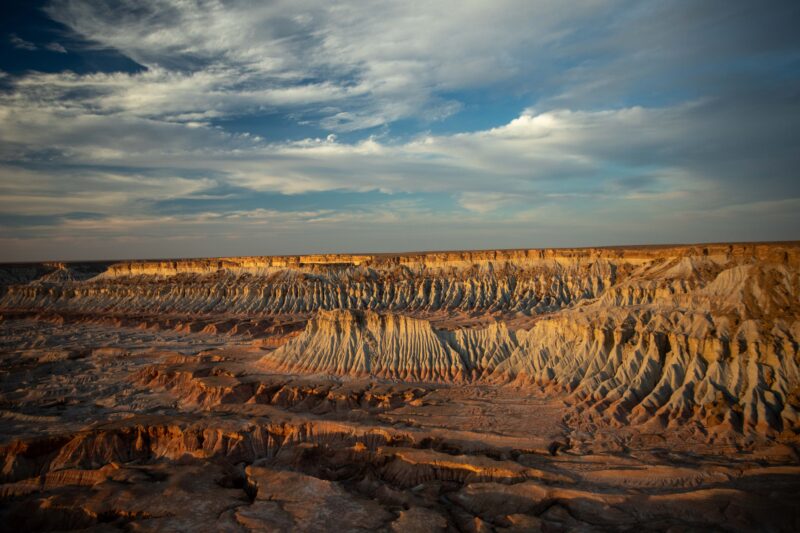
(789, 249)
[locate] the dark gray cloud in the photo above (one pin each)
(21, 44)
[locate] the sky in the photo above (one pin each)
(154, 128)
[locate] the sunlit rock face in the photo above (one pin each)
(552, 390)
(529, 282)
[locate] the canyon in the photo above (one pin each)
(648, 388)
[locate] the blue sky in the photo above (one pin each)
(182, 129)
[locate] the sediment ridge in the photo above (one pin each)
(510, 281)
(645, 335)
(647, 388)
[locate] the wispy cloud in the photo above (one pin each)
(487, 202)
(56, 47)
(21, 44)
(378, 65)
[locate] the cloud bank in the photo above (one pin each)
(308, 126)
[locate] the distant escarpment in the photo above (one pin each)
(534, 287)
(527, 282)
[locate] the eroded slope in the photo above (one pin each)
(651, 388)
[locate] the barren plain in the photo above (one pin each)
(652, 388)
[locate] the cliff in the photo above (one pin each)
(683, 340)
(642, 335)
(509, 281)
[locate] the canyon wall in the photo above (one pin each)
(510, 281)
(643, 335)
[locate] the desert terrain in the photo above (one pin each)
(649, 388)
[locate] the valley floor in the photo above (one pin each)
(106, 428)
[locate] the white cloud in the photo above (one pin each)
(552, 156)
(378, 65)
(486, 202)
(550, 152)
(38, 192)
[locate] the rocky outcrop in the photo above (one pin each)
(391, 346)
(154, 474)
(509, 281)
(521, 390)
(720, 349)
(641, 335)
(530, 288)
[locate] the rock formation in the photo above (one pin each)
(524, 281)
(638, 388)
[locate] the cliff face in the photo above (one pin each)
(646, 335)
(562, 390)
(689, 338)
(639, 367)
(533, 288)
(514, 281)
(348, 342)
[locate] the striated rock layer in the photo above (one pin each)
(712, 339)
(636, 335)
(638, 389)
(512, 281)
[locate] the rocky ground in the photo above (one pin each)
(650, 391)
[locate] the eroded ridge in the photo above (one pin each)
(664, 347)
(514, 281)
(649, 388)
